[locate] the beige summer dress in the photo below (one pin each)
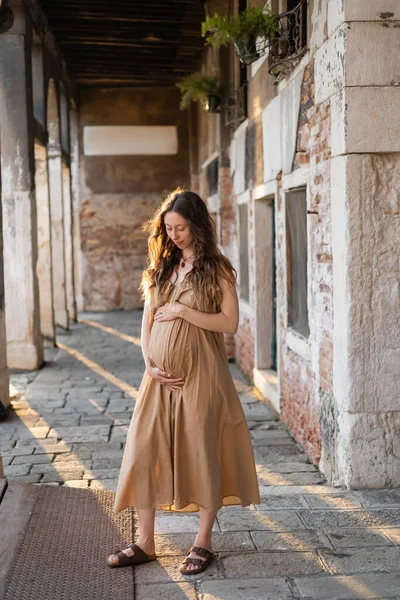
(191, 447)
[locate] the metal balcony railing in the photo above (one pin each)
(290, 42)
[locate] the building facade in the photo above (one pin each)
(306, 202)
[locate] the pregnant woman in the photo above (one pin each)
(188, 446)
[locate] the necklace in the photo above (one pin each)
(184, 260)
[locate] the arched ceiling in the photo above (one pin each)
(127, 42)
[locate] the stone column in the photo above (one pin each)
(57, 234)
(363, 87)
(4, 382)
(44, 268)
(69, 244)
(76, 229)
(24, 340)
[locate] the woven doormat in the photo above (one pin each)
(63, 553)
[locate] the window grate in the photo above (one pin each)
(290, 43)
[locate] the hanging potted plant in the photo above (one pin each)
(201, 88)
(242, 30)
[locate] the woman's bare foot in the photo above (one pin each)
(147, 546)
(200, 543)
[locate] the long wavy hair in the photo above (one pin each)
(163, 255)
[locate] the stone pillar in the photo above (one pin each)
(44, 267)
(363, 86)
(57, 234)
(69, 244)
(4, 382)
(24, 340)
(76, 229)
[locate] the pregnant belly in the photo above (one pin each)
(173, 347)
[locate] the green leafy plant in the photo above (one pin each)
(254, 21)
(196, 87)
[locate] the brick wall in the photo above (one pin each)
(244, 346)
(306, 384)
(119, 193)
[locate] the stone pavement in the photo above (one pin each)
(305, 540)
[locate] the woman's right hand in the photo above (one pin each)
(164, 378)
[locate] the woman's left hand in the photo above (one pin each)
(169, 312)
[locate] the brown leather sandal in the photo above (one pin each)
(138, 558)
(200, 565)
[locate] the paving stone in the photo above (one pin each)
(330, 501)
(278, 441)
(362, 560)
(290, 467)
(16, 470)
(101, 474)
(329, 519)
(279, 564)
(166, 591)
(119, 433)
(119, 410)
(96, 419)
(179, 544)
(60, 421)
(97, 447)
(112, 454)
(166, 568)
(273, 520)
(268, 477)
(270, 434)
(103, 484)
(282, 502)
(267, 455)
(32, 459)
(275, 490)
(378, 498)
(125, 415)
(291, 540)
(88, 433)
(61, 477)
(82, 456)
(250, 589)
(25, 478)
(179, 523)
(107, 463)
(46, 403)
(76, 483)
(259, 412)
(57, 448)
(58, 467)
(23, 451)
(6, 460)
(344, 587)
(249, 397)
(393, 535)
(347, 538)
(32, 434)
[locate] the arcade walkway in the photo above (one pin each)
(305, 540)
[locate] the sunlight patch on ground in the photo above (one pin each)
(112, 331)
(125, 387)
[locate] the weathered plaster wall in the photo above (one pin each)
(119, 193)
(360, 415)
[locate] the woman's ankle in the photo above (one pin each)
(203, 542)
